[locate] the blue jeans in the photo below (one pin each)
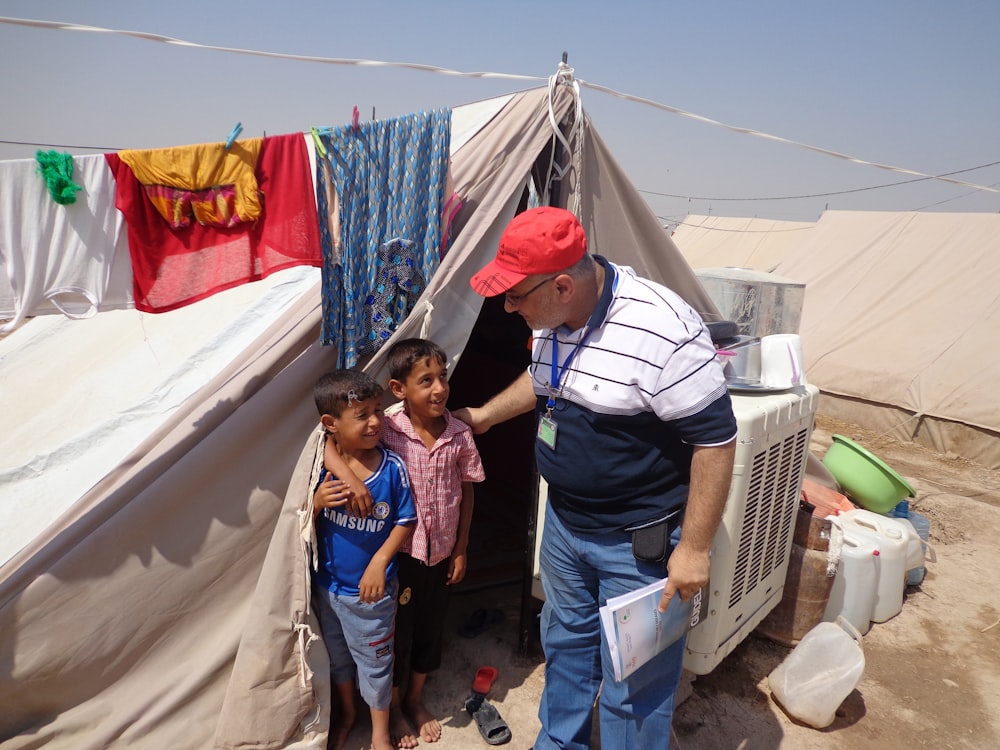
(580, 572)
(359, 640)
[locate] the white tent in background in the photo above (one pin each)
(720, 241)
(167, 606)
(900, 316)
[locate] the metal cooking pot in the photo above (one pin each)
(743, 366)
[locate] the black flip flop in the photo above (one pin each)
(479, 622)
(488, 720)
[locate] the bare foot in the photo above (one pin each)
(425, 722)
(382, 743)
(344, 716)
(401, 731)
(338, 736)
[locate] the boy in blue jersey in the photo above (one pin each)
(443, 462)
(354, 588)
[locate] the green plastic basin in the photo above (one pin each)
(870, 481)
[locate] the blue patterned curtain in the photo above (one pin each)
(390, 178)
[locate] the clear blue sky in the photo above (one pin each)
(914, 84)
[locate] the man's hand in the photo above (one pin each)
(473, 417)
(517, 398)
(690, 564)
(687, 571)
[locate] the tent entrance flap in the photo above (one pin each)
(496, 354)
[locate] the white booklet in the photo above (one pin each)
(636, 630)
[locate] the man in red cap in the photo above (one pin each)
(636, 434)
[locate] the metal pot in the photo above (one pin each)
(744, 366)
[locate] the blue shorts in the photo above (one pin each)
(359, 636)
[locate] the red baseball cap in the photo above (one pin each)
(539, 240)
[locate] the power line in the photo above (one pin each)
(648, 192)
(681, 222)
(949, 200)
(826, 195)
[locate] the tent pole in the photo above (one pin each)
(526, 625)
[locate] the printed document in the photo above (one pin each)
(636, 630)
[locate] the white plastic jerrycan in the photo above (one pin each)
(900, 549)
(822, 670)
(854, 587)
(882, 523)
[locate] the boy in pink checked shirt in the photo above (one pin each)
(443, 462)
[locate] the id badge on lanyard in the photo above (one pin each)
(548, 429)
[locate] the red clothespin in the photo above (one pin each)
(354, 119)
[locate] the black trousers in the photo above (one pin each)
(420, 614)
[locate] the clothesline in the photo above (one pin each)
(163, 228)
(148, 36)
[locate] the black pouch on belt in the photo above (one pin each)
(652, 543)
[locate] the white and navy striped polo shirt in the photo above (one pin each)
(641, 390)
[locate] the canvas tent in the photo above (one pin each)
(901, 310)
(720, 241)
(167, 606)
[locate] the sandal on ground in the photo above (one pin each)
(488, 720)
(485, 677)
(479, 622)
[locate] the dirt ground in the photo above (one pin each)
(932, 675)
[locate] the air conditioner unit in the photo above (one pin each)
(752, 546)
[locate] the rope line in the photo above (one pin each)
(148, 36)
(779, 139)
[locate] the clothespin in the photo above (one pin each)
(354, 119)
(319, 142)
(232, 136)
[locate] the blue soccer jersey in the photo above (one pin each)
(347, 544)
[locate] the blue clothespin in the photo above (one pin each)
(232, 136)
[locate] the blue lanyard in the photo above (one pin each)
(558, 372)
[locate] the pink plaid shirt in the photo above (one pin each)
(436, 478)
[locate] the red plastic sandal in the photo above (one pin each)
(484, 680)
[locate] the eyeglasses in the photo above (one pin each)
(517, 299)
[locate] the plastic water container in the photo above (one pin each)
(899, 550)
(922, 525)
(819, 673)
(854, 587)
(891, 527)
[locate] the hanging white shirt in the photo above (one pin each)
(70, 259)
